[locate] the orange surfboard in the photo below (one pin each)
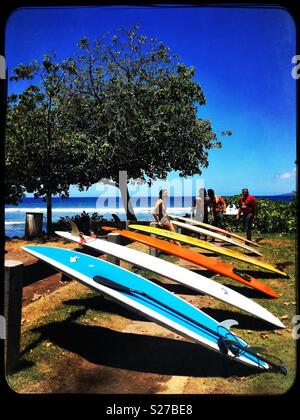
(210, 263)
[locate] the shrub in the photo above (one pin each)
(84, 222)
(273, 216)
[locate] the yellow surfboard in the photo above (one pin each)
(206, 245)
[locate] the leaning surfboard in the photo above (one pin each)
(205, 245)
(214, 235)
(215, 229)
(219, 267)
(176, 273)
(155, 303)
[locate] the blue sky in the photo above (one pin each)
(243, 61)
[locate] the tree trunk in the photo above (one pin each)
(130, 215)
(49, 213)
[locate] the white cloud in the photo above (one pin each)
(286, 175)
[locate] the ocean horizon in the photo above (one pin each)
(104, 206)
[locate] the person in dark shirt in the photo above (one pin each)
(248, 209)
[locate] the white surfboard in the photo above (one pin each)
(207, 226)
(214, 235)
(176, 273)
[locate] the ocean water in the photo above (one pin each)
(15, 215)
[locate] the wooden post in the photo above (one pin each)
(116, 239)
(13, 284)
(153, 251)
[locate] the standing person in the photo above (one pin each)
(199, 207)
(160, 213)
(248, 206)
(218, 208)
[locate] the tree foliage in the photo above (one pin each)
(41, 156)
(138, 109)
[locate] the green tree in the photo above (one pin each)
(41, 155)
(136, 106)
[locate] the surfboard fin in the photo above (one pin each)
(228, 323)
(117, 220)
(75, 230)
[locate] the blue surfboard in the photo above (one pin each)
(154, 302)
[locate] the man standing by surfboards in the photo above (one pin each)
(218, 208)
(248, 207)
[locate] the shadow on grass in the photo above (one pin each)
(101, 304)
(89, 251)
(249, 292)
(246, 322)
(141, 353)
(263, 274)
(210, 254)
(204, 273)
(21, 365)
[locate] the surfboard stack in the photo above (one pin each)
(158, 304)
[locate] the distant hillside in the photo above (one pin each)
(291, 194)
